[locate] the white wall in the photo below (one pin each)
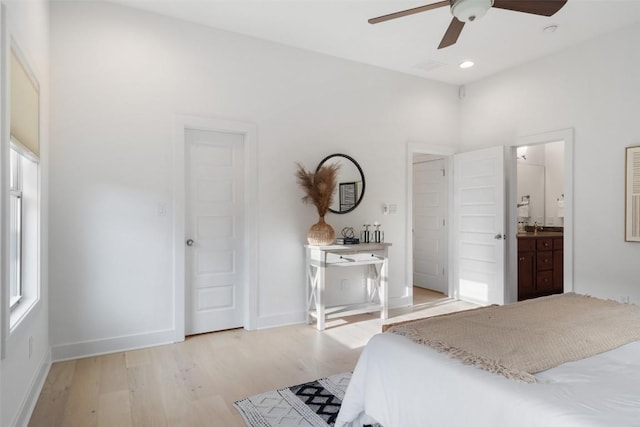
(22, 374)
(592, 88)
(119, 76)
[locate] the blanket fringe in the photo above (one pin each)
(468, 358)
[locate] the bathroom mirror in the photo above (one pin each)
(540, 191)
(350, 183)
(531, 194)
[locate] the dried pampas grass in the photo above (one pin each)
(318, 186)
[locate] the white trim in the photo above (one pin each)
(250, 133)
(296, 318)
(283, 319)
(399, 302)
(511, 230)
(111, 345)
(4, 177)
(566, 135)
(438, 150)
(29, 403)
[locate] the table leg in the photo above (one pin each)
(312, 282)
(384, 296)
(320, 299)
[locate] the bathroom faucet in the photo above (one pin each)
(535, 227)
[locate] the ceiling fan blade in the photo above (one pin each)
(541, 7)
(452, 34)
(409, 12)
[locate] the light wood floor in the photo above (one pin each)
(195, 383)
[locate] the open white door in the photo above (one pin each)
(479, 226)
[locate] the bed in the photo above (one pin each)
(401, 382)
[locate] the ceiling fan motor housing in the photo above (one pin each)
(470, 10)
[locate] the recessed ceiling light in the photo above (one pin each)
(467, 64)
(550, 29)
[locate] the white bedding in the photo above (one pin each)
(402, 384)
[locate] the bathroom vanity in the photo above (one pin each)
(540, 264)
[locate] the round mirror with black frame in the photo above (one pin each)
(350, 183)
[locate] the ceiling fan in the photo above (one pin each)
(464, 11)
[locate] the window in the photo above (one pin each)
(15, 233)
(23, 256)
(24, 231)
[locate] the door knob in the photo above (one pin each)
(499, 237)
(190, 242)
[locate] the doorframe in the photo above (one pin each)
(437, 150)
(567, 136)
(250, 150)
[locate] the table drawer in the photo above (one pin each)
(351, 257)
(334, 257)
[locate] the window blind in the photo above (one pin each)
(25, 128)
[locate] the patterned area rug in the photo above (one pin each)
(314, 404)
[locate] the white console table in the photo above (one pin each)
(319, 258)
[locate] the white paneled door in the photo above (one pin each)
(214, 231)
(479, 225)
(430, 248)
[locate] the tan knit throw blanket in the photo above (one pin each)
(518, 340)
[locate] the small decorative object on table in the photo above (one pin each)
(319, 188)
(348, 237)
(365, 235)
(378, 235)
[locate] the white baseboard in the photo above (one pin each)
(132, 342)
(399, 302)
(30, 400)
(265, 322)
(111, 345)
(284, 319)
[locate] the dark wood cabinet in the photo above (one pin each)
(540, 265)
(558, 266)
(526, 268)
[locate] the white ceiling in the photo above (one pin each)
(500, 40)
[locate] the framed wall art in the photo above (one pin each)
(632, 195)
(347, 195)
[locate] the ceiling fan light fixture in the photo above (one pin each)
(470, 10)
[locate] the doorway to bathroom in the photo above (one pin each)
(541, 220)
